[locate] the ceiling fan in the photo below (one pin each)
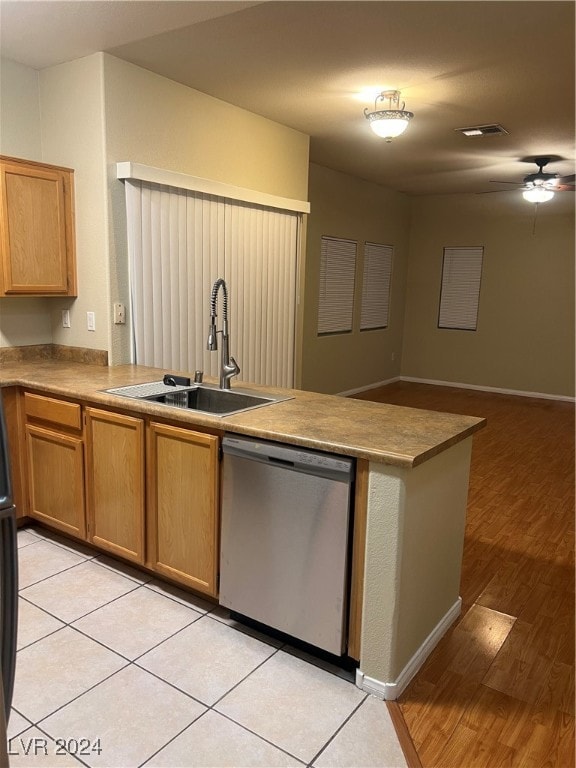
(541, 186)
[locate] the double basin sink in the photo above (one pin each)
(203, 398)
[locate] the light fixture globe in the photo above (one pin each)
(538, 194)
(392, 122)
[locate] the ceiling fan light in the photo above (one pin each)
(537, 195)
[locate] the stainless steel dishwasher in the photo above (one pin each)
(285, 523)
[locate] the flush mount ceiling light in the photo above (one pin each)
(391, 122)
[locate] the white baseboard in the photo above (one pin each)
(390, 691)
(457, 385)
(368, 387)
(498, 390)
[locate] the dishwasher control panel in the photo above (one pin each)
(302, 459)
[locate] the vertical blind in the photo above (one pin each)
(460, 292)
(377, 275)
(336, 296)
(180, 242)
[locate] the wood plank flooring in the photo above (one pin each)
(498, 690)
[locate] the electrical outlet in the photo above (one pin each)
(65, 318)
(119, 314)
(91, 321)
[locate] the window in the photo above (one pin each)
(460, 293)
(179, 243)
(376, 286)
(336, 298)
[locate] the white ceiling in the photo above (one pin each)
(303, 64)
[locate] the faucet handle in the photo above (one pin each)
(234, 364)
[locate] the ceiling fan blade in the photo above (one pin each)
(565, 188)
(567, 179)
(492, 191)
(496, 181)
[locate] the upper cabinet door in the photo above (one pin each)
(36, 230)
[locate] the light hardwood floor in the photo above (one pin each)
(498, 690)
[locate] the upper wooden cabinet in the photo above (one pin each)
(36, 229)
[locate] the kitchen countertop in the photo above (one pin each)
(388, 434)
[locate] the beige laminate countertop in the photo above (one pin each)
(389, 434)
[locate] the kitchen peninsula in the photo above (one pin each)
(412, 469)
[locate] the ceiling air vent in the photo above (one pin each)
(483, 130)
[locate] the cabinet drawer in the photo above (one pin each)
(55, 411)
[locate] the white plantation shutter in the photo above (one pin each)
(460, 293)
(180, 242)
(377, 275)
(336, 296)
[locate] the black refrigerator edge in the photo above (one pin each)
(8, 571)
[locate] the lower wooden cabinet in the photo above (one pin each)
(115, 483)
(183, 520)
(56, 479)
(146, 492)
(55, 462)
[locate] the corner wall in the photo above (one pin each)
(72, 123)
(347, 207)
(525, 336)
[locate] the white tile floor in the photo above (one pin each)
(115, 669)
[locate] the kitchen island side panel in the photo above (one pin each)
(414, 545)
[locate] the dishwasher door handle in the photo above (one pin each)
(282, 462)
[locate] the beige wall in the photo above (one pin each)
(158, 122)
(22, 321)
(19, 111)
(73, 135)
(62, 125)
(525, 336)
(343, 206)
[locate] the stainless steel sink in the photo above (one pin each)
(203, 398)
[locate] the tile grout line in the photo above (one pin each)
(337, 731)
(211, 708)
(134, 662)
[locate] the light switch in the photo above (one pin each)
(91, 321)
(65, 318)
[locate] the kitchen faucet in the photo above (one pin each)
(228, 366)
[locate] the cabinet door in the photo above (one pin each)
(56, 479)
(115, 483)
(183, 506)
(37, 230)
